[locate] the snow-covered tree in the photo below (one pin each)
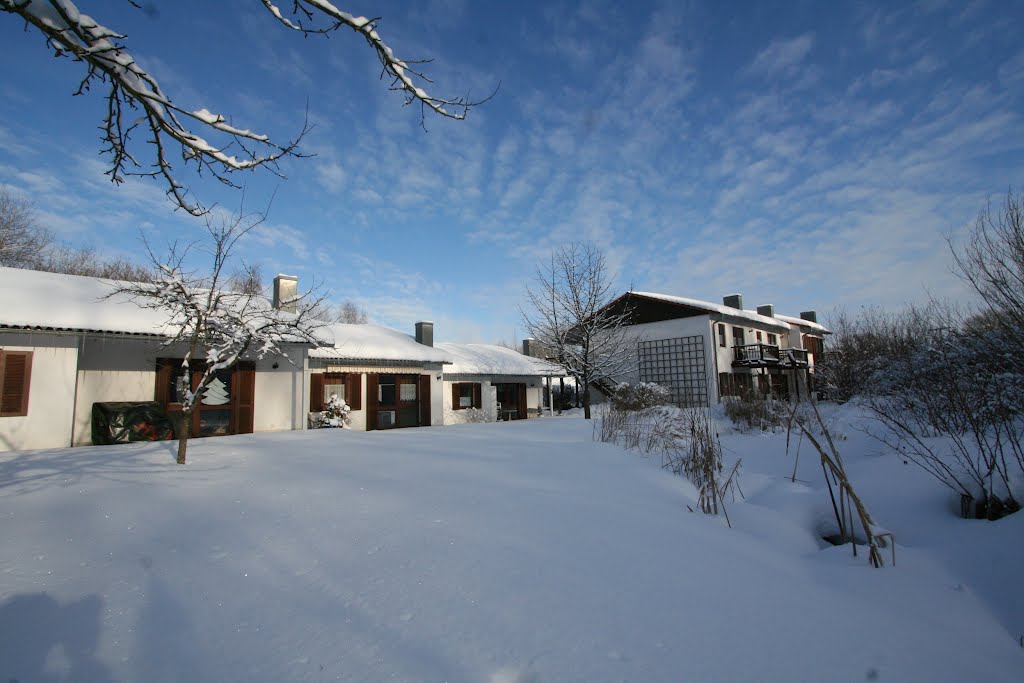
(174, 131)
(216, 325)
(568, 313)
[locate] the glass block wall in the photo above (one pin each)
(678, 364)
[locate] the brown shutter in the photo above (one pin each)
(243, 395)
(477, 399)
(15, 378)
(354, 390)
(164, 373)
(316, 392)
(522, 401)
(455, 395)
(372, 384)
(424, 397)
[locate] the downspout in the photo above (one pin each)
(715, 318)
(74, 397)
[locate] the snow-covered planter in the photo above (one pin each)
(336, 413)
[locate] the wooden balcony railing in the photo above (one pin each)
(768, 355)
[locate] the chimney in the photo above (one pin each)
(530, 347)
(811, 316)
(286, 293)
(766, 310)
(425, 333)
(733, 301)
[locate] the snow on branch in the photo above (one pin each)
(175, 131)
(403, 77)
(171, 128)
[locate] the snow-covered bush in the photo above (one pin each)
(465, 416)
(950, 402)
(336, 413)
(640, 396)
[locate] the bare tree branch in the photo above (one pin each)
(171, 129)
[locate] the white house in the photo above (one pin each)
(488, 383)
(388, 378)
(64, 347)
(703, 351)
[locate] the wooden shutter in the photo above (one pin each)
(354, 390)
(522, 401)
(372, 383)
(243, 395)
(424, 397)
(455, 395)
(15, 378)
(316, 392)
(477, 398)
(164, 373)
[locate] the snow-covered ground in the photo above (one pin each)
(508, 552)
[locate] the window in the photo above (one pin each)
(15, 377)
(347, 385)
(773, 340)
(737, 336)
(759, 336)
(466, 395)
(721, 335)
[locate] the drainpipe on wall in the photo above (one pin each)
(715, 318)
(74, 398)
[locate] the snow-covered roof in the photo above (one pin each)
(805, 323)
(372, 342)
(717, 308)
(54, 301)
(488, 359)
(37, 300)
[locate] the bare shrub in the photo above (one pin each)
(686, 441)
(845, 501)
(750, 411)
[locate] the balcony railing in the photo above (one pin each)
(768, 355)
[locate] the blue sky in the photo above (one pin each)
(805, 154)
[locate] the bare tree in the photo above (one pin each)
(23, 241)
(991, 263)
(174, 131)
(247, 279)
(568, 313)
(352, 313)
(61, 258)
(216, 325)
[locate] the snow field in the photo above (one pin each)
(512, 552)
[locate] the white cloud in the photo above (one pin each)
(782, 57)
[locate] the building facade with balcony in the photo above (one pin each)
(702, 351)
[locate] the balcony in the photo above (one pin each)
(768, 356)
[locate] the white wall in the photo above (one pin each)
(681, 327)
(112, 369)
(51, 396)
(281, 394)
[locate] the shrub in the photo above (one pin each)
(641, 396)
(336, 413)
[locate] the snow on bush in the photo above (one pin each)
(641, 396)
(336, 413)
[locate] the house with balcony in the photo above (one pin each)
(703, 351)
